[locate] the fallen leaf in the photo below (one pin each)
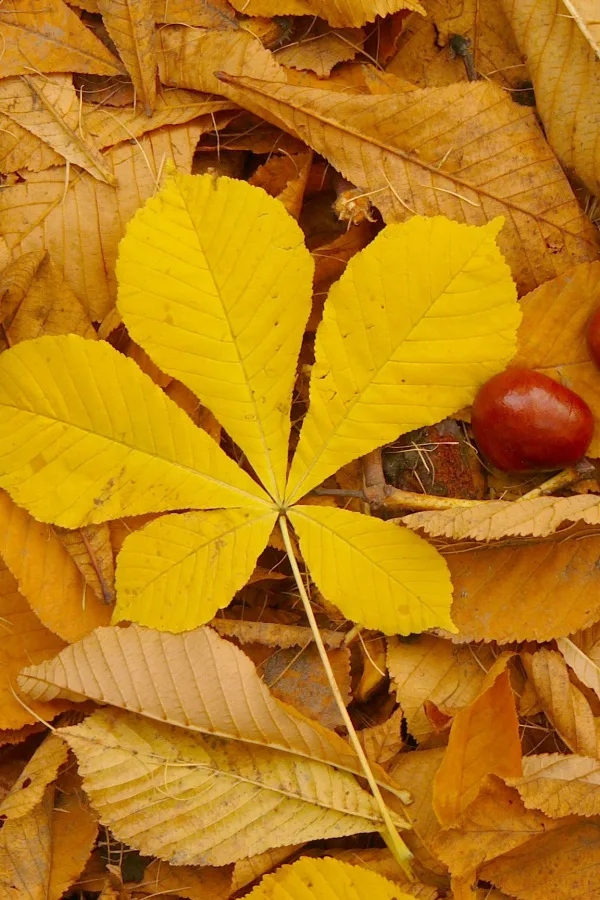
(81, 228)
(20, 149)
(48, 107)
(130, 24)
(191, 882)
(319, 47)
(499, 592)
(435, 152)
(274, 635)
(560, 785)
(325, 879)
(484, 740)
(217, 796)
(435, 670)
(416, 771)
(563, 703)
(285, 177)
(245, 871)
(38, 773)
(91, 549)
(383, 742)
(48, 35)
(251, 715)
(562, 55)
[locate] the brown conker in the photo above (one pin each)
(593, 337)
(523, 421)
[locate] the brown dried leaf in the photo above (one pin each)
(435, 670)
(383, 742)
(484, 740)
(499, 592)
(191, 882)
(204, 13)
(342, 13)
(109, 127)
(551, 337)
(130, 24)
(495, 519)
(560, 785)
(35, 300)
(47, 35)
(320, 48)
(274, 635)
(285, 177)
(40, 771)
(563, 57)
(465, 151)
(563, 703)
(426, 58)
(92, 552)
(562, 864)
(416, 771)
(82, 225)
(20, 149)
(48, 107)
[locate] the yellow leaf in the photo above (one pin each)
(417, 322)
(38, 773)
(47, 35)
(340, 13)
(215, 284)
(378, 577)
(325, 879)
(175, 573)
(130, 24)
(105, 443)
(198, 801)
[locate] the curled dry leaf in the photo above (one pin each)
(560, 785)
(495, 519)
(562, 50)
(565, 706)
(245, 871)
(435, 670)
(587, 670)
(220, 800)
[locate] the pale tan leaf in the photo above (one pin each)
(561, 46)
(563, 703)
(560, 785)
(587, 671)
(499, 592)
(20, 149)
(321, 48)
(111, 126)
(465, 151)
(48, 106)
(429, 669)
(92, 552)
(207, 801)
(191, 689)
(341, 13)
(274, 635)
(82, 228)
(47, 35)
(495, 519)
(130, 24)
(39, 772)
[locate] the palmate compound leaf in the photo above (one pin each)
(417, 322)
(325, 879)
(85, 436)
(198, 800)
(215, 285)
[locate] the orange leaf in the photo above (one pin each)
(130, 24)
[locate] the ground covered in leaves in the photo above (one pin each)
(200, 747)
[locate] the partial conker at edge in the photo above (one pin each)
(593, 337)
(523, 421)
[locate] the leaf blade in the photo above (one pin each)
(103, 445)
(384, 367)
(193, 295)
(175, 573)
(370, 580)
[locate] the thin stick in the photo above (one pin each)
(409, 500)
(395, 843)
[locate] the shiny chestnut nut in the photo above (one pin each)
(523, 421)
(593, 337)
